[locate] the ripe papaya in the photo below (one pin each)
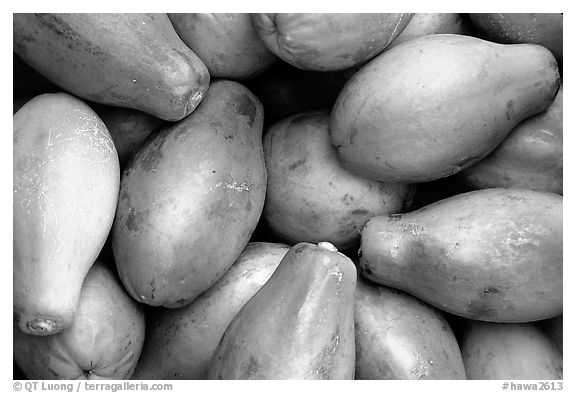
(299, 325)
(190, 199)
(515, 28)
(423, 24)
(66, 182)
(227, 43)
(103, 342)
(310, 197)
(128, 128)
(328, 42)
(180, 342)
(529, 157)
(437, 104)
(509, 351)
(492, 255)
(400, 337)
(129, 60)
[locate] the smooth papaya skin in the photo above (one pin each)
(555, 329)
(65, 190)
(310, 197)
(515, 28)
(328, 42)
(299, 325)
(190, 199)
(227, 43)
(400, 337)
(129, 60)
(103, 342)
(180, 342)
(509, 351)
(423, 24)
(492, 255)
(530, 156)
(128, 128)
(434, 105)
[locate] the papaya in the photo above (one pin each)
(555, 329)
(180, 342)
(129, 60)
(529, 157)
(299, 325)
(65, 188)
(310, 197)
(103, 342)
(190, 199)
(400, 337)
(509, 351)
(492, 255)
(226, 43)
(423, 24)
(329, 41)
(515, 28)
(437, 104)
(128, 128)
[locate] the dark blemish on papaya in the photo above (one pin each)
(299, 250)
(58, 26)
(395, 217)
(246, 107)
(181, 301)
(353, 133)
(252, 367)
(151, 155)
(360, 212)
(481, 308)
(509, 109)
(366, 269)
(347, 199)
(249, 206)
(229, 137)
(297, 164)
(135, 220)
(491, 291)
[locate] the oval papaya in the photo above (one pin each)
(129, 60)
(191, 198)
(299, 325)
(310, 197)
(180, 342)
(492, 255)
(103, 342)
(329, 41)
(66, 182)
(437, 104)
(400, 337)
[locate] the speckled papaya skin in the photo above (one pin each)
(299, 325)
(190, 199)
(130, 60)
(492, 255)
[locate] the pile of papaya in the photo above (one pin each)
(287, 196)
